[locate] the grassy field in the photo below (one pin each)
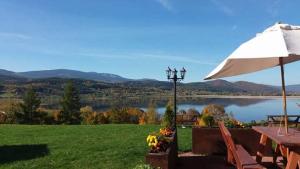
(101, 146)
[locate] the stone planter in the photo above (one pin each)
(164, 160)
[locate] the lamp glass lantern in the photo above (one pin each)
(168, 72)
(182, 73)
(174, 73)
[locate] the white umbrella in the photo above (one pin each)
(276, 46)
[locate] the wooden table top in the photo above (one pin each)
(290, 140)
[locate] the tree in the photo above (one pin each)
(217, 111)
(168, 116)
(152, 116)
(70, 103)
(119, 115)
(31, 102)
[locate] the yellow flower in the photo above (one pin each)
(152, 141)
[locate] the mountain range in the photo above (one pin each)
(53, 80)
(65, 73)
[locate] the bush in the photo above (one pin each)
(56, 116)
(143, 166)
(49, 118)
(143, 119)
(205, 120)
(135, 115)
(102, 118)
(12, 111)
(119, 115)
(168, 117)
(216, 111)
(40, 116)
(88, 115)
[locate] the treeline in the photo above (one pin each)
(29, 111)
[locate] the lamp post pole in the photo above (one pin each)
(172, 75)
(175, 102)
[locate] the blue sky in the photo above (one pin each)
(137, 38)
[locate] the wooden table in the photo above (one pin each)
(290, 141)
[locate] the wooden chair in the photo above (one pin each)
(236, 154)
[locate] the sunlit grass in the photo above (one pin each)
(99, 146)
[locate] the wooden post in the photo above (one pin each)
(261, 148)
(283, 95)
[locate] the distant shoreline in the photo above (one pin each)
(242, 97)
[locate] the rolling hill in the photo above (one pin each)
(51, 82)
(65, 73)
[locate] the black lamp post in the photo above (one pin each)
(172, 75)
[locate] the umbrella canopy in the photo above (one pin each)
(262, 51)
(276, 46)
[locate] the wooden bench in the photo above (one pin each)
(275, 119)
(236, 154)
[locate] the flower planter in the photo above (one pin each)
(164, 160)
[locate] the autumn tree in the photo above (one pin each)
(152, 116)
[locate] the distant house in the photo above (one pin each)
(187, 118)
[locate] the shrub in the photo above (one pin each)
(88, 115)
(135, 115)
(56, 116)
(144, 166)
(102, 118)
(216, 111)
(143, 119)
(119, 115)
(49, 118)
(208, 120)
(12, 111)
(41, 115)
(168, 117)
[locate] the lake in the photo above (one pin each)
(243, 109)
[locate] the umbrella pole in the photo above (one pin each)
(284, 95)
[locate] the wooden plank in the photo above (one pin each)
(242, 158)
(288, 140)
(245, 158)
(261, 148)
(293, 160)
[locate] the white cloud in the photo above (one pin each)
(166, 4)
(14, 35)
(145, 56)
(224, 8)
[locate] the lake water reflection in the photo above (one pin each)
(243, 109)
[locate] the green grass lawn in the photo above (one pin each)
(82, 146)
